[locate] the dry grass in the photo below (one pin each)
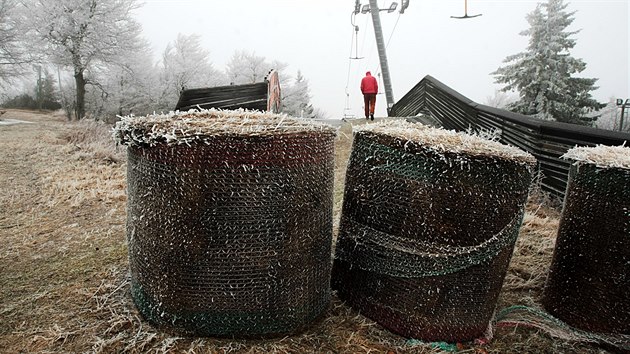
(64, 280)
(343, 146)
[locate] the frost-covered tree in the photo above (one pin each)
(41, 94)
(132, 85)
(12, 55)
(82, 35)
(186, 65)
(500, 99)
(542, 74)
(46, 91)
(296, 98)
(609, 117)
(248, 68)
(123, 89)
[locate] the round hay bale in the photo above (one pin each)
(428, 226)
(229, 220)
(588, 285)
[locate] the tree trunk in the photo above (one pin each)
(120, 101)
(80, 84)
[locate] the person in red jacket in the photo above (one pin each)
(369, 88)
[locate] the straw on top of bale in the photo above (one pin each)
(443, 141)
(197, 126)
(601, 156)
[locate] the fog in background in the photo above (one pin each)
(315, 36)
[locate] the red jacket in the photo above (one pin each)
(369, 84)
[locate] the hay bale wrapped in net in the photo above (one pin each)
(428, 226)
(229, 220)
(589, 280)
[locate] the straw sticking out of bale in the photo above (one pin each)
(428, 226)
(199, 126)
(448, 141)
(601, 156)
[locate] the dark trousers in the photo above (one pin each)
(369, 100)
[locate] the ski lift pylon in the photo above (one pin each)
(465, 13)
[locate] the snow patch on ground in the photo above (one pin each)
(13, 121)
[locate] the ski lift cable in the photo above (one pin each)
(355, 37)
(365, 32)
(393, 30)
(378, 70)
(352, 41)
(370, 51)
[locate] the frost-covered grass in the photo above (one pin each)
(343, 146)
(64, 280)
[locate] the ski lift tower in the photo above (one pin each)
(372, 7)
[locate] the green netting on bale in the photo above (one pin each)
(229, 323)
(588, 285)
(534, 317)
(229, 221)
(428, 225)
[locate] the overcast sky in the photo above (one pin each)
(315, 36)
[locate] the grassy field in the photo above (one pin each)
(64, 284)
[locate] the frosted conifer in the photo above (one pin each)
(296, 100)
(543, 73)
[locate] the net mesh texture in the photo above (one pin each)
(229, 221)
(428, 226)
(588, 285)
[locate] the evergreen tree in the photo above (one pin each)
(46, 93)
(296, 99)
(543, 74)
